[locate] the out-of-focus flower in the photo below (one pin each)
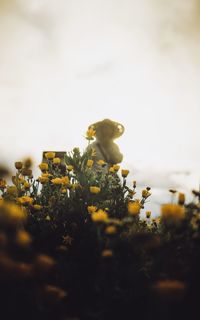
(91, 209)
(170, 289)
(133, 208)
(99, 216)
(124, 173)
(56, 161)
(44, 263)
(28, 163)
(3, 171)
(90, 163)
(111, 230)
(181, 198)
(94, 189)
(54, 294)
(27, 172)
(11, 213)
(43, 166)
(18, 165)
(172, 212)
(23, 238)
(25, 200)
(107, 253)
(50, 155)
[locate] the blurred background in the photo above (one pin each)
(65, 64)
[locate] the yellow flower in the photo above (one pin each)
(111, 170)
(148, 214)
(99, 216)
(70, 167)
(56, 161)
(57, 181)
(37, 207)
(43, 166)
(43, 179)
(107, 253)
(124, 173)
(111, 230)
(25, 200)
(91, 209)
(95, 190)
(116, 167)
(134, 208)
(63, 190)
(145, 193)
(60, 181)
(23, 238)
(12, 190)
(27, 185)
(21, 180)
(65, 180)
(172, 212)
(18, 165)
(181, 198)
(90, 134)
(46, 175)
(90, 163)
(101, 163)
(50, 155)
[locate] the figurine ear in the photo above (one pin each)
(120, 130)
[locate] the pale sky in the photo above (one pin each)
(65, 64)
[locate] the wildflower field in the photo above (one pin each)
(73, 245)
